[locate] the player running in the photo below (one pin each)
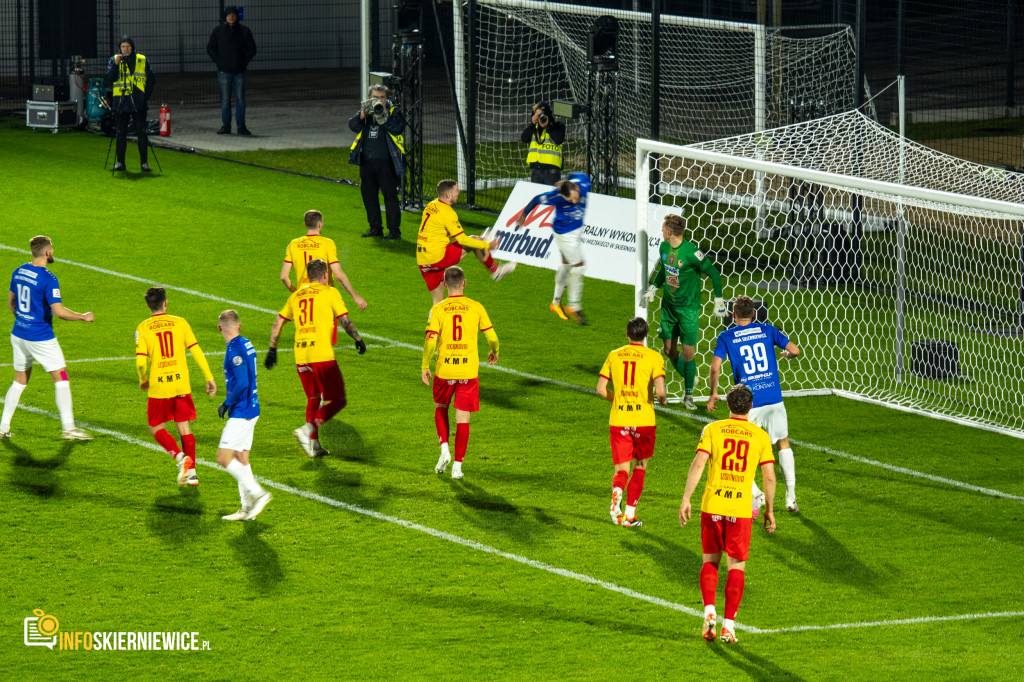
(633, 370)
(315, 307)
(452, 331)
(735, 447)
(750, 349)
(569, 199)
(242, 407)
(314, 245)
(160, 345)
(34, 298)
(679, 269)
(442, 243)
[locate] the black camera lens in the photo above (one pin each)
(543, 118)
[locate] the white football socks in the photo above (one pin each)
(445, 451)
(575, 287)
(243, 474)
(561, 280)
(788, 465)
(709, 610)
(67, 416)
(11, 404)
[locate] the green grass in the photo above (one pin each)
(99, 535)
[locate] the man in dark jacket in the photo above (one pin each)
(132, 80)
(231, 47)
(378, 150)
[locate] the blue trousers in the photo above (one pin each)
(232, 83)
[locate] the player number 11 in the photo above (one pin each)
(628, 372)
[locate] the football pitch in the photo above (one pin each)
(907, 558)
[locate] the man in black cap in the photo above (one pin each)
(133, 82)
(231, 47)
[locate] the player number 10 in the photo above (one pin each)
(166, 340)
(735, 457)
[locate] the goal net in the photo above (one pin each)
(718, 78)
(898, 270)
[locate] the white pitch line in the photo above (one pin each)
(887, 623)
(696, 417)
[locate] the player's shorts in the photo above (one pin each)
(570, 247)
(683, 323)
(631, 442)
(771, 418)
(433, 274)
(322, 380)
(725, 534)
(46, 353)
(180, 408)
(237, 434)
(465, 391)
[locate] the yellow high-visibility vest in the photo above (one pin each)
(544, 150)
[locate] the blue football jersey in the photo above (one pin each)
(568, 216)
(240, 379)
(35, 289)
(750, 350)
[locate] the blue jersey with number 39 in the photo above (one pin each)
(35, 289)
(750, 350)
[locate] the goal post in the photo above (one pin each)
(909, 295)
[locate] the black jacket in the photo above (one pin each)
(231, 47)
(394, 125)
(139, 101)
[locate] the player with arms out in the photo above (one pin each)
(316, 307)
(750, 349)
(314, 245)
(34, 298)
(679, 269)
(634, 370)
(452, 331)
(160, 345)
(569, 198)
(242, 407)
(735, 448)
(442, 243)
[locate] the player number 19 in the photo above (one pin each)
(24, 298)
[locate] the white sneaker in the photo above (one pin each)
(5, 434)
(792, 507)
(319, 450)
(457, 470)
(180, 459)
(75, 434)
(305, 442)
(616, 509)
(503, 269)
(442, 463)
(258, 506)
(688, 403)
(237, 516)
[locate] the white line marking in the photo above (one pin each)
(689, 415)
(886, 623)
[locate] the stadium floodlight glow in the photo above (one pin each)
(901, 280)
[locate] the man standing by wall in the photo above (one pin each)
(231, 47)
(378, 150)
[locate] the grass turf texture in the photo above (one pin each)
(99, 535)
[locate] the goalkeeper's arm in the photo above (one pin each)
(709, 269)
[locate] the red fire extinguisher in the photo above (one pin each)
(165, 120)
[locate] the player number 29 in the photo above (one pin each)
(735, 457)
(755, 358)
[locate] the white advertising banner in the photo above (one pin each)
(608, 234)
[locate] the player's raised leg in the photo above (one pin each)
(561, 282)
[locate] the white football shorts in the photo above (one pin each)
(46, 353)
(773, 419)
(237, 434)
(569, 246)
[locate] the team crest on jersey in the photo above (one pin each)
(56, 293)
(698, 255)
(237, 360)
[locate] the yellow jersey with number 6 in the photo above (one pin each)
(456, 322)
(314, 309)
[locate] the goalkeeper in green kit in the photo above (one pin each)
(679, 269)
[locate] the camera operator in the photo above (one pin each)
(133, 85)
(545, 136)
(378, 150)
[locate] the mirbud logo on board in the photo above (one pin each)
(43, 629)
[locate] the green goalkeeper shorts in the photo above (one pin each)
(683, 323)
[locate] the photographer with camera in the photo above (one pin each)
(545, 136)
(378, 150)
(133, 82)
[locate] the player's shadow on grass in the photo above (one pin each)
(177, 519)
(403, 245)
(37, 476)
(678, 563)
(487, 510)
(756, 667)
(346, 443)
(257, 557)
(827, 556)
(133, 176)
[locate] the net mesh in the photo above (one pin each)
(710, 73)
(916, 303)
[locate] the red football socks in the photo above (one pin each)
(619, 480)
(489, 263)
(709, 583)
(312, 405)
(733, 593)
(167, 442)
(461, 441)
(188, 446)
(327, 411)
(636, 486)
(441, 422)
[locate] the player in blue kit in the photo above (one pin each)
(750, 349)
(34, 299)
(242, 406)
(569, 199)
